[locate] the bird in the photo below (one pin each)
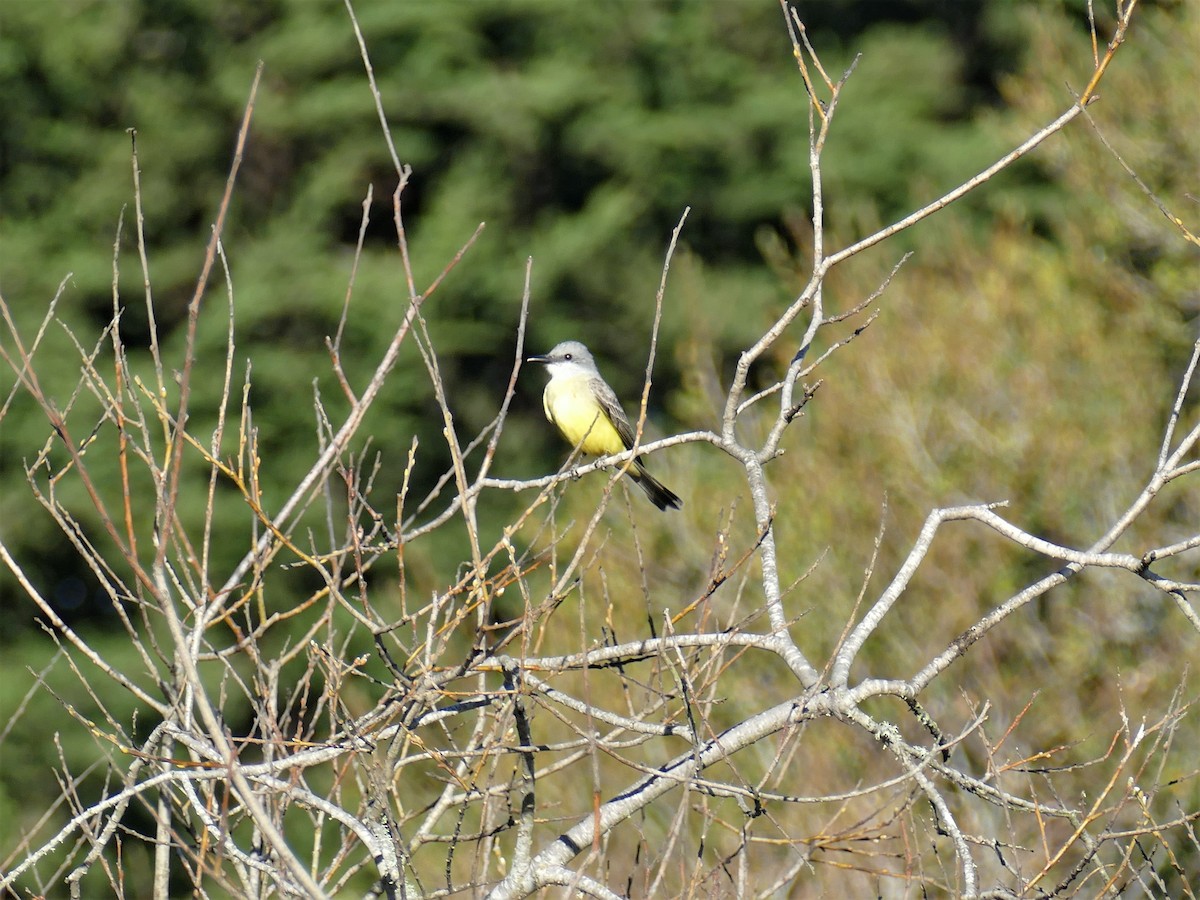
(586, 411)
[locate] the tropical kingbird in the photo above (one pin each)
(589, 415)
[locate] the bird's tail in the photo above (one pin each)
(659, 494)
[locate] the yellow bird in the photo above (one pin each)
(588, 414)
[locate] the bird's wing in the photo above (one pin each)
(612, 408)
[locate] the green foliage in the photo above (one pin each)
(578, 133)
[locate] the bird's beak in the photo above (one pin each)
(538, 359)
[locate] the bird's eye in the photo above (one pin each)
(566, 356)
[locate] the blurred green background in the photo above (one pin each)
(1028, 351)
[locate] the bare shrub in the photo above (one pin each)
(373, 739)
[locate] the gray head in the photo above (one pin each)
(568, 358)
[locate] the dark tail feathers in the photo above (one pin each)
(658, 493)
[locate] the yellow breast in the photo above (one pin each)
(570, 404)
